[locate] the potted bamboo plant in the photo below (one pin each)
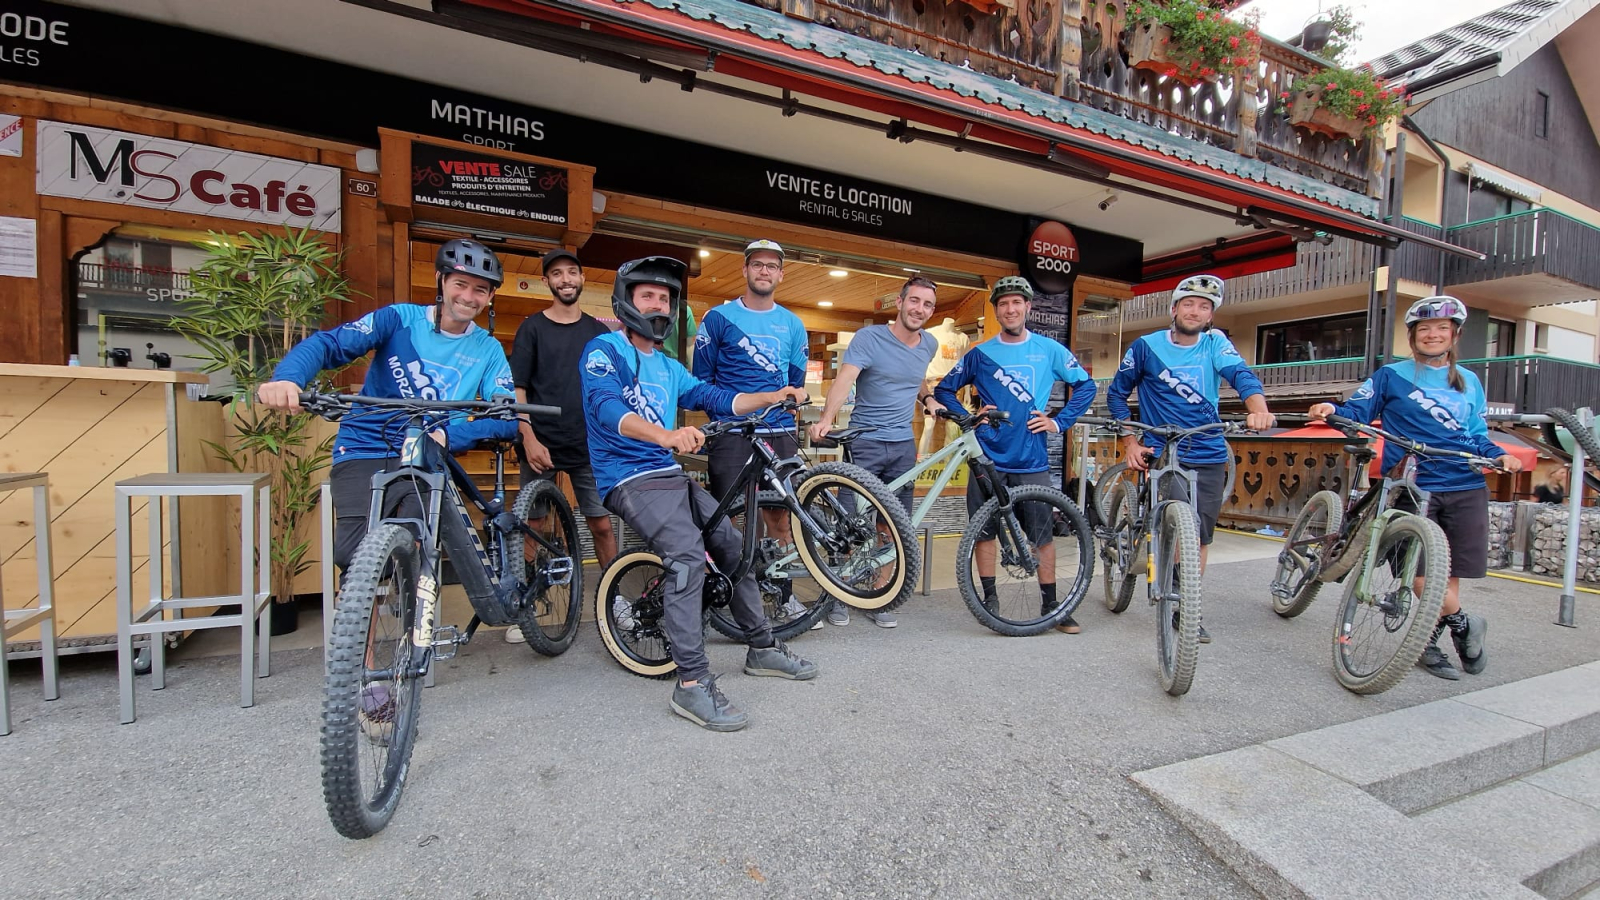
(1190, 40)
(253, 298)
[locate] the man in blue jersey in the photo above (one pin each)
(753, 344)
(1178, 373)
(1014, 372)
(433, 352)
(632, 394)
(1429, 399)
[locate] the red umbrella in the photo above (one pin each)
(1521, 451)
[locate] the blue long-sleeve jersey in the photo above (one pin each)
(1180, 386)
(412, 361)
(749, 350)
(619, 381)
(1016, 378)
(1417, 402)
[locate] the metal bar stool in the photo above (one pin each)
(255, 552)
(44, 615)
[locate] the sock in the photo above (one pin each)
(1047, 597)
(763, 641)
(988, 586)
(1457, 623)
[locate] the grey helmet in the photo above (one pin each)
(662, 270)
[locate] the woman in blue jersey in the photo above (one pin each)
(1429, 399)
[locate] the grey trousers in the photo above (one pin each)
(657, 507)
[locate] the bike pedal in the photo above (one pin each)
(447, 639)
(559, 571)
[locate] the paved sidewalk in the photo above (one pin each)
(936, 759)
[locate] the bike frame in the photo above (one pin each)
(761, 469)
(964, 449)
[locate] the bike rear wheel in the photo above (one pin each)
(1178, 604)
(1384, 624)
(372, 692)
(875, 564)
(1297, 580)
(1113, 477)
(628, 610)
(1017, 609)
(777, 585)
(1121, 552)
(549, 621)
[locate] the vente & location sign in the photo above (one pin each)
(450, 178)
(85, 163)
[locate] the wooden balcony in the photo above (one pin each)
(1535, 257)
(1084, 58)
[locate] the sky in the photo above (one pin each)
(1388, 24)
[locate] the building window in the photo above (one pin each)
(1541, 115)
(1501, 339)
(1308, 340)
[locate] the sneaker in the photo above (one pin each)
(839, 615)
(376, 715)
(991, 602)
(514, 635)
(622, 614)
(790, 610)
(883, 619)
(1470, 645)
(705, 705)
(778, 661)
(1205, 636)
(1069, 626)
(1437, 664)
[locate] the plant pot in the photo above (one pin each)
(1315, 36)
(1306, 112)
(285, 618)
(1147, 45)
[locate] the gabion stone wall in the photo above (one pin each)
(1549, 547)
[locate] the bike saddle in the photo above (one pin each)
(841, 437)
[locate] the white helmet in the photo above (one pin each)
(1207, 286)
(1440, 307)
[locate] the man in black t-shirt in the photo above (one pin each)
(544, 364)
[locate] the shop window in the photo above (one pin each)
(1501, 339)
(126, 297)
(1310, 340)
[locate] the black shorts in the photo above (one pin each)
(726, 455)
(1208, 484)
(1037, 523)
(1463, 516)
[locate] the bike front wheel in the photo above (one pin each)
(372, 692)
(1121, 551)
(864, 553)
(792, 600)
(1021, 551)
(1297, 581)
(1178, 604)
(1391, 606)
(549, 620)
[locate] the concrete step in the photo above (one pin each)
(1542, 829)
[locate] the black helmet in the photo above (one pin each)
(469, 258)
(662, 270)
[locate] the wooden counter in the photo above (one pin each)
(87, 428)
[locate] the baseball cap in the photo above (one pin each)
(771, 246)
(560, 253)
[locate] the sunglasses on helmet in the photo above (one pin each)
(1440, 309)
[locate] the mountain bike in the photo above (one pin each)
(1118, 472)
(1160, 529)
(522, 567)
(1401, 560)
(1018, 531)
(847, 531)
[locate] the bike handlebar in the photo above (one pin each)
(1165, 432)
(332, 405)
(1348, 425)
(751, 420)
(973, 420)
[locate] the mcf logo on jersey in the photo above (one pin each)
(598, 364)
(1435, 408)
(1183, 383)
(1018, 382)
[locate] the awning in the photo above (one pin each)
(1509, 444)
(749, 42)
(1504, 182)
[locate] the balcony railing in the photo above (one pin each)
(1415, 261)
(1083, 59)
(1535, 242)
(1528, 384)
(130, 279)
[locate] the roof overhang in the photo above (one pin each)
(1080, 151)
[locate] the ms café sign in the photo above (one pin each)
(86, 163)
(1050, 258)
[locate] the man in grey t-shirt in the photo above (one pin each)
(887, 365)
